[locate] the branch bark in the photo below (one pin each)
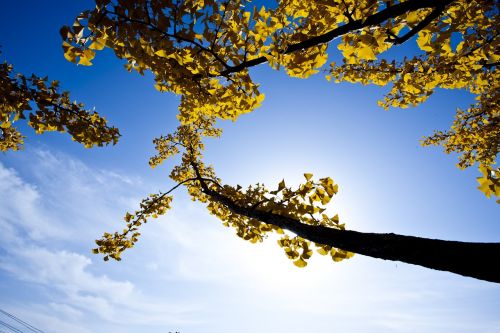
(375, 19)
(477, 260)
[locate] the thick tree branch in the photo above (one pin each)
(478, 260)
(375, 19)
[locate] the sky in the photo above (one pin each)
(190, 274)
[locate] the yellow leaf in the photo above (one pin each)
(323, 251)
(424, 41)
(97, 45)
(485, 186)
(70, 56)
(412, 18)
(446, 47)
(69, 52)
(366, 52)
(161, 53)
(300, 263)
(84, 61)
(281, 185)
(259, 98)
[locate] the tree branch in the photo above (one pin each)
(378, 18)
(478, 260)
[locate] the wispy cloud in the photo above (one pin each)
(45, 226)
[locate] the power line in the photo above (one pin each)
(12, 328)
(22, 322)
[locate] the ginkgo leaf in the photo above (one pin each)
(424, 41)
(162, 53)
(300, 263)
(70, 56)
(84, 61)
(97, 45)
(412, 17)
(323, 251)
(281, 185)
(366, 52)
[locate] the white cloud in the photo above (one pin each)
(43, 229)
(66, 271)
(67, 311)
(21, 208)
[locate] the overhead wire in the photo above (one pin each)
(10, 327)
(22, 322)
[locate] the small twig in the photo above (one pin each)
(396, 40)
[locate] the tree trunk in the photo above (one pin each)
(477, 260)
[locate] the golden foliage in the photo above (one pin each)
(470, 65)
(49, 110)
(202, 50)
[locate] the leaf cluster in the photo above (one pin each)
(41, 103)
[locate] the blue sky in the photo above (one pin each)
(190, 274)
